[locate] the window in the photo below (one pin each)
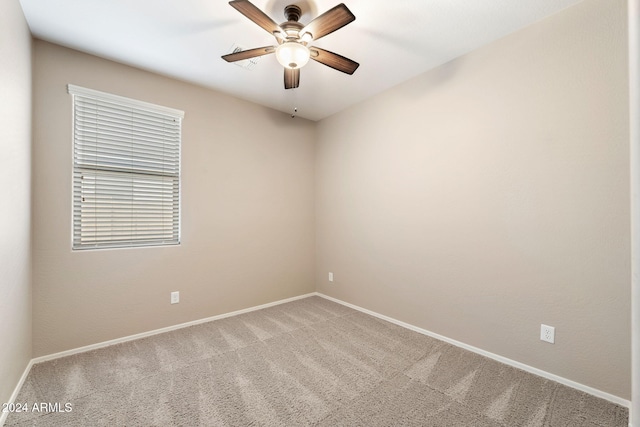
(126, 171)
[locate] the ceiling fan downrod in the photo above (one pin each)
(292, 12)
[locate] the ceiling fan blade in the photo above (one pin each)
(333, 60)
(328, 22)
(247, 8)
(291, 78)
(246, 54)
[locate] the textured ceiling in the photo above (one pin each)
(392, 41)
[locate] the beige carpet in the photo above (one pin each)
(308, 362)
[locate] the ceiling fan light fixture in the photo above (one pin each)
(292, 55)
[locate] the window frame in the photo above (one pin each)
(134, 175)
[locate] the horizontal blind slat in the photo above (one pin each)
(91, 142)
(89, 105)
(128, 132)
(95, 103)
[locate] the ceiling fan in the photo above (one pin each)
(294, 39)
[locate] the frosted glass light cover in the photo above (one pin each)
(292, 55)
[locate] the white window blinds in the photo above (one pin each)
(126, 171)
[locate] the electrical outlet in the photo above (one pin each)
(548, 333)
(175, 297)
(330, 277)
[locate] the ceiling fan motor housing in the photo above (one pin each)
(292, 27)
(292, 53)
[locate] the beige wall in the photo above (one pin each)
(491, 195)
(15, 193)
(247, 211)
(476, 201)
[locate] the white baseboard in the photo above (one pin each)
(590, 390)
(162, 330)
(14, 395)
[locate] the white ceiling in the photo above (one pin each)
(392, 40)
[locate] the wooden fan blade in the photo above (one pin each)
(246, 54)
(333, 60)
(247, 8)
(291, 78)
(328, 22)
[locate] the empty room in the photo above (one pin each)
(312, 213)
